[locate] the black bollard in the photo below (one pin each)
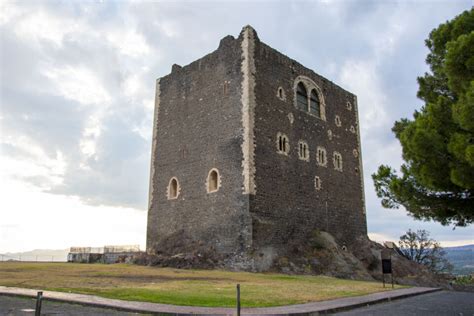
(39, 298)
(238, 299)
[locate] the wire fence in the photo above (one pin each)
(109, 251)
(32, 258)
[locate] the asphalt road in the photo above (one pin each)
(13, 306)
(438, 303)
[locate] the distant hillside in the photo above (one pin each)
(37, 255)
(462, 258)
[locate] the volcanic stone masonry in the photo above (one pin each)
(251, 151)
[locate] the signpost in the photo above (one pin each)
(39, 299)
(238, 299)
(387, 264)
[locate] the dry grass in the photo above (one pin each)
(180, 287)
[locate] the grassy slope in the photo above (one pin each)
(179, 287)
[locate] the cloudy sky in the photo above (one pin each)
(77, 88)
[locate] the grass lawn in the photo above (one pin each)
(180, 287)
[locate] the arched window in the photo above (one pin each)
(303, 151)
(213, 181)
(337, 160)
(301, 97)
(283, 145)
(173, 189)
(308, 97)
(321, 156)
(314, 103)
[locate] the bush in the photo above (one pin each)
(317, 241)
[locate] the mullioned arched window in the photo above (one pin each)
(283, 145)
(309, 97)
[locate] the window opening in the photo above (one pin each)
(314, 103)
(303, 151)
(283, 145)
(317, 183)
(213, 181)
(337, 161)
(321, 156)
(301, 97)
(173, 189)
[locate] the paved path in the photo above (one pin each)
(24, 306)
(300, 309)
(439, 303)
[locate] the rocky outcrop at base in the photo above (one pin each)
(320, 255)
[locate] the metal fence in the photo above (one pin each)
(106, 249)
(32, 258)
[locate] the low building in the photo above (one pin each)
(106, 254)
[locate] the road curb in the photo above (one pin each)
(314, 308)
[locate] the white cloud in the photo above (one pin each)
(45, 220)
(8, 12)
(129, 42)
(361, 78)
(79, 84)
(39, 25)
(90, 134)
(33, 163)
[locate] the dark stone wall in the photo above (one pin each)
(199, 128)
(287, 207)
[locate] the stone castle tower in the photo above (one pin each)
(251, 151)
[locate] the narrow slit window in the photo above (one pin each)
(314, 104)
(281, 94)
(301, 97)
(317, 183)
(337, 159)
